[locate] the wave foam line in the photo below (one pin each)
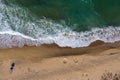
(15, 39)
(83, 39)
(67, 39)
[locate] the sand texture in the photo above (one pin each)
(50, 62)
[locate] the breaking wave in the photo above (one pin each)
(71, 39)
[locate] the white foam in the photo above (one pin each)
(72, 39)
(82, 39)
(14, 39)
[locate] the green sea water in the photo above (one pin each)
(79, 15)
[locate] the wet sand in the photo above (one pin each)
(50, 62)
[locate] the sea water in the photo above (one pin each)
(67, 23)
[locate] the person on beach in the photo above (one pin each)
(12, 67)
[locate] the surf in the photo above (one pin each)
(18, 27)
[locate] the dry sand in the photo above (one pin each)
(50, 62)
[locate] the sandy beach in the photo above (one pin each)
(50, 62)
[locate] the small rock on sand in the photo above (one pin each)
(64, 60)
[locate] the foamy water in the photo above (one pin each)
(14, 39)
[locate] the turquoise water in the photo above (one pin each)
(73, 23)
(83, 13)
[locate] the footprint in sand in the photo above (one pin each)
(75, 60)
